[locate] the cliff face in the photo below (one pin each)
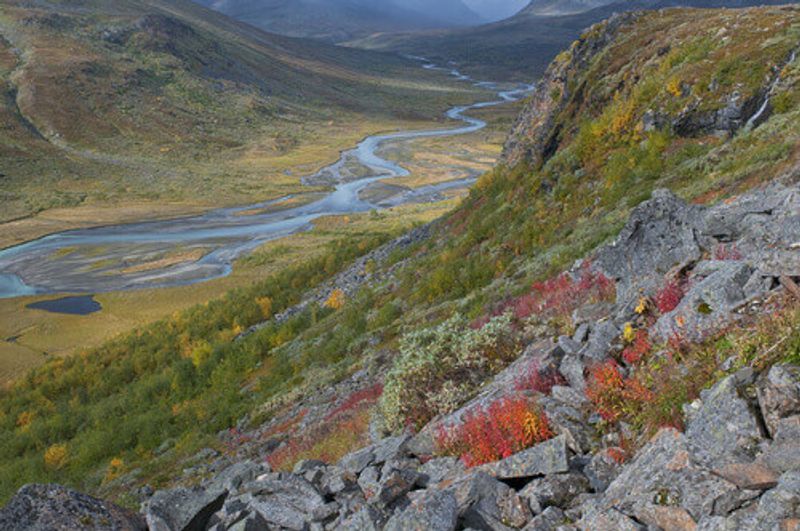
(535, 134)
(689, 93)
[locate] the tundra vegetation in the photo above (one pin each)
(450, 313)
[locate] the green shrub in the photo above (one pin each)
(439, 368)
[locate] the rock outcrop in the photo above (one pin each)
(56, 508)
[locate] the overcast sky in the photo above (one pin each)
(496, 9)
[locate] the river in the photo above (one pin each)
(94, 260)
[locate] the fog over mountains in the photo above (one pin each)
(341, 20)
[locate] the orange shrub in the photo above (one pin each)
(613, 395)
(336, 300)
(507, 426)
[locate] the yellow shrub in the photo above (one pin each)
(336, 300)
(628, 333)
(115, 469)
(674, 87)
(56, 456)
(265, 303)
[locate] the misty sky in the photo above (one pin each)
(496, 9)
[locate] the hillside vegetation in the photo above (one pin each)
(644, 101)
(134, 101)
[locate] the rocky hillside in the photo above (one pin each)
(603, 336)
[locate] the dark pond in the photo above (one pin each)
(81, 305)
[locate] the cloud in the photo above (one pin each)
(496, 9)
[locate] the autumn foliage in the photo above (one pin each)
(639, 348)
(336, 300)
(541, 380)
(343, 429)
(559, 296)
(505, 427)
(670, 296)
(614, 395)
(368, 394)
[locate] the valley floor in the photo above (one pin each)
(29, 337)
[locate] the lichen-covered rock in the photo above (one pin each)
(779, 394)
(486, 503)
(659, 236)
(721, 426)
(663, 473)
(718, 288)
(778, 508)
(549, 457)
(783, 454)
(440, 469)
(182, 509)
(554, 490)
(57, 508)
(602, 338)
(551, 519)
(601, 470)
(436, 511)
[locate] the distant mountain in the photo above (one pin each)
(521, 47)
(562, 7)
(493, 10)
(340, 20)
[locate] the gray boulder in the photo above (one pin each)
(601, 470)
(550, 520)
(718, 288)
(549, 457)
(721, 427)
(485, 503)
(777, 509)
(659, 236)
(602, 338)
(439, 469)
(783, 454)
(779, 394)
(356, 462)
(182, 509)
(663, 474)
(57, 508)
(436, 511)
(556, 490)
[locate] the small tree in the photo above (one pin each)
(336, 300)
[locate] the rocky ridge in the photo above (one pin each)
(735, 466)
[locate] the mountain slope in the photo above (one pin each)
(339, 20)
(521, 47)
(705, 103)
(136, 99)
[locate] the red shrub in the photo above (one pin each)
(637, 350)
(286, 425)
(670, 296)
(617, 454)
(368, 394)
(539, 380)
(727, 252)
(557, 296)
(507, 426)
(612, 394)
